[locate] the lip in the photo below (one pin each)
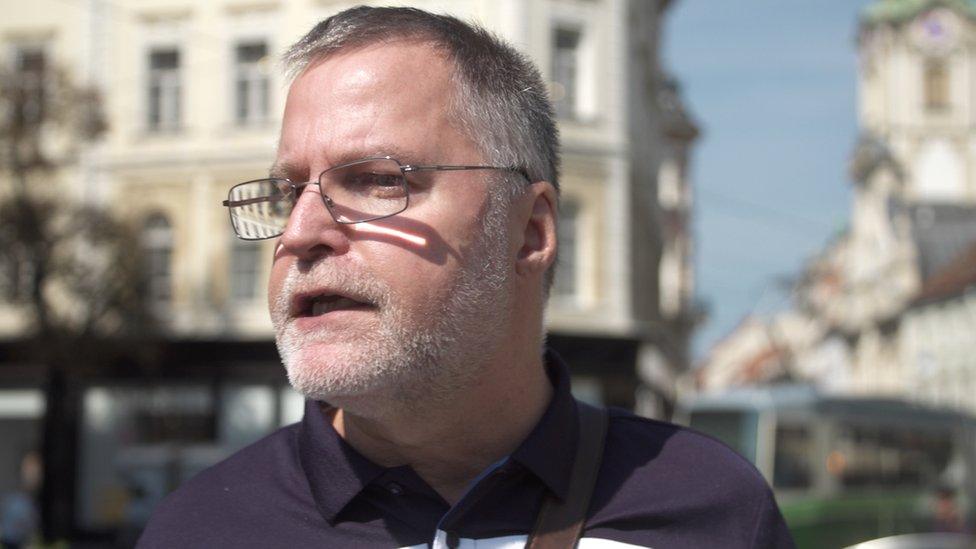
(332, 319)
(301, 303)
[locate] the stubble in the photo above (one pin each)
(412, 357)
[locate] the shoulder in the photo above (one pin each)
(656, 473)
(252, 469)
(649, 445)
(240, 490)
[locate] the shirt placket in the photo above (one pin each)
(447, 536)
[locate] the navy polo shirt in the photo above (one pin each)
(659, 486)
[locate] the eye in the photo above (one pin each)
(281, 188)
(381, 179)
(281, 202)
(285, 180)
(377, 185)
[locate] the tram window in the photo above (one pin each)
(792, 467)
(886, 456)
(737, 429)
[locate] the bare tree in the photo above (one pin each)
(73, 269)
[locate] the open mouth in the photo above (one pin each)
(312, 305)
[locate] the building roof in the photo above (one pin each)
(899, 11)
(791, 396)
(942, 233)
(952, 280)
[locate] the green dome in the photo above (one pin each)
(899, 11)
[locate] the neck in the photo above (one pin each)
(452, 441)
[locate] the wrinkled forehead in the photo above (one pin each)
(390, 94)
(411, 71)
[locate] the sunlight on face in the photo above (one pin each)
(389, 231)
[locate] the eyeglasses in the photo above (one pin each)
(362, 190)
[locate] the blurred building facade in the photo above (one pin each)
(937, 336)
(192, 95)
(886, 307)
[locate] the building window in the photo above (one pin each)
(251, 83)
(565, 71)
(567, 271)
(30, 65)
(245, 262)
(157, 240)
(17, 276)
(164, 90)
(936, 85)
(138, 443)
(792, 463)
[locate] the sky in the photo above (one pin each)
(772, 84)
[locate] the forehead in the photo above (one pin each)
(392, 98)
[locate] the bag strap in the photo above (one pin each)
(560, 523)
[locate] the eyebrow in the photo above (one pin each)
(282, 170)
(390, 150)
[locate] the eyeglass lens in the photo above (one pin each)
(358, 191)
(364, 190)
(260, 209)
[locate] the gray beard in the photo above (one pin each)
(410, 360)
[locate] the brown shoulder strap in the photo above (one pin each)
(560, 523)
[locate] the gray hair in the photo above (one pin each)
(500, 99)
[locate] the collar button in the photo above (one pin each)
(394, 489)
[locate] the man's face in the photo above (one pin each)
(396, 306)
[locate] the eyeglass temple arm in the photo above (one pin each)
(247, 201)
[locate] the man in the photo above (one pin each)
(414, 200)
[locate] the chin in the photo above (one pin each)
(339, 372)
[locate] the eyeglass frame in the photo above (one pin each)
(327, 201)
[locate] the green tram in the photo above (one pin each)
(845, 470)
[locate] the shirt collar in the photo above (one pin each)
(549, 450)
(337, 473)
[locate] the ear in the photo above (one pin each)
(537, 224)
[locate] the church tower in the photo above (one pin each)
(913, 217)
(917, 99)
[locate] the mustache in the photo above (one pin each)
(356, 282)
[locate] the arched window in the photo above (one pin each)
(936, 85)
(157, 241)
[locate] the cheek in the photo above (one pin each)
(418, 285)
(276, 279)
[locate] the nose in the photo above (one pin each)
(311, 232)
